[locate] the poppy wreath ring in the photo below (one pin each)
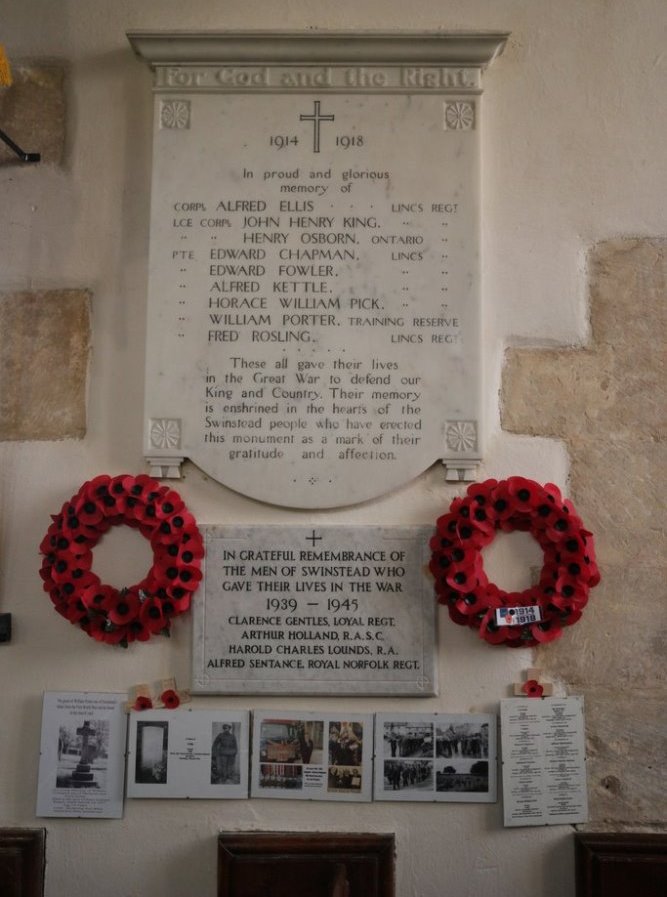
(568, 573)
(138, 611)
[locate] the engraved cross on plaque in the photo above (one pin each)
(313, 538)
(317, 118)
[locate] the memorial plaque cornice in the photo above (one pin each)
(337, 48)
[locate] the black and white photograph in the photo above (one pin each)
(312, 756)
(225, 768)
(151, 752)
(83, 752)
(462, 775)
(435, 757)
(411, 775)
(82, 758)
(406, 739)
(188, 753)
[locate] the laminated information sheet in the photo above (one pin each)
(544, 761)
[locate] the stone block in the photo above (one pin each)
(626, 748)
(32, 113)
(44, 352)
(619, 642)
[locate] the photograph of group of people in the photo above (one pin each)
(435, 757)
(313, 756)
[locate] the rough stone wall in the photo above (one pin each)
(32, 112)
(45, 335)
(608, 402)
(44, 349)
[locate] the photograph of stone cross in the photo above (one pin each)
(83, 755)
(82, 777)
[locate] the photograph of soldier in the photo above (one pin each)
(152, 753)
(344, 778)
(225, 768)
(345, 743)
(408, 775)
(281, 775)
(291, 741)
(408, 739)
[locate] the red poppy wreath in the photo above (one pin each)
(568, 573)
(138, 611)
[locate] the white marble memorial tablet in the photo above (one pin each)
(314, 302)
(325, 610)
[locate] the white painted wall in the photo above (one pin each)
(574, 151)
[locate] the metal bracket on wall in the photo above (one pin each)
(23, 156)
(5, 628)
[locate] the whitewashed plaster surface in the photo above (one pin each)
(573, 152)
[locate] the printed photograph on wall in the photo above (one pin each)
(312, 756)
(82, 756)
(188, 753)
(151, 752)
(225, 760)
(436, 757)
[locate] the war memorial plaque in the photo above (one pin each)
(315, 610)
(314, 297)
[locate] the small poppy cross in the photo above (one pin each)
(162, 694)
(533, 687)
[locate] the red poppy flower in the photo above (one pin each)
(170, 699)
(99, 597)
(490, 631)
(152, 615)
(176, 601)
(532, 688)
(446, 526)
(74, 609)
(463, 580)
(189, 577)
(546, 630)
(482, 492)
(96, 488)
(457, 617)
(137, 631)
(96, 628)
(167, 504)
(571, 589)
(142, 703)
(472, 602)
(173, 528)
(501, 501)
(568, 616)
(525, 494)
(125, 608)
(187, 551)
(115, 635)
(88, 511)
